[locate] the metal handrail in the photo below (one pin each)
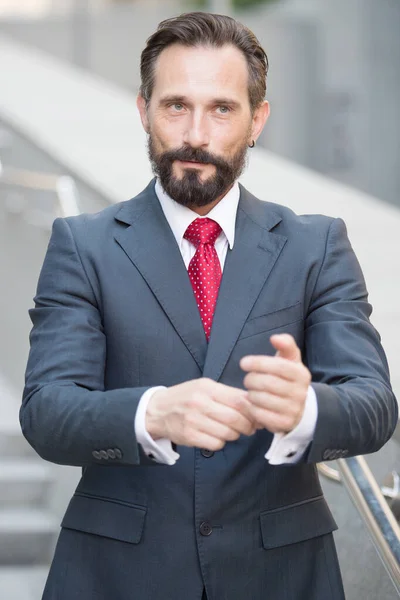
(63, 185)
(370, 503)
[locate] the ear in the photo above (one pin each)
(260, 117)
(142, 108)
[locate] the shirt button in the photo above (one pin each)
(206, 453)
(205, 528)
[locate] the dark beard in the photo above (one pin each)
(190, 190)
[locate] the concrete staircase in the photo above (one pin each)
(27, 528)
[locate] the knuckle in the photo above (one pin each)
(216, 445)
(240, 404)
(189, 406)
(195, 400)
(232, 435)
(248, 380)
(231, 419)
(207, 383)
(248, 427)
(237, 402)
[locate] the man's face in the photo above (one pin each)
(199, 121)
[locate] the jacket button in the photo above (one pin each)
(96, 454)
(328, 454)
(205, 528)
(207, 453)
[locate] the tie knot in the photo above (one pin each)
(202, 231)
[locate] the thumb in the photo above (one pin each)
(286, 347)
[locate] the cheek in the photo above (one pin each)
(230, 136)
(168, 133)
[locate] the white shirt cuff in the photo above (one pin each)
(290, 447)
(161, 450)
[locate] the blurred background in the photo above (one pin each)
(71, 141)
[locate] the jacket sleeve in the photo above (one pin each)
(66, 414)
(357, 411)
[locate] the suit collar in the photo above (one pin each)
(151, 246)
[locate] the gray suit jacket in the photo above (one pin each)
(115, 314)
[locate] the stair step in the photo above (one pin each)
(22, 583)
(13, 444)
(27, 536)
(24, 482)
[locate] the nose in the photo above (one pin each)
(196, 134)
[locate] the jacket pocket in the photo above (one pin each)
(105, 517)
(296, 523)
(273, 320)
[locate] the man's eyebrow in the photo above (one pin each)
(173, 98)
(226, 101)
(179, 99)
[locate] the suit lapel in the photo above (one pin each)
(246, 270)
(150, 245)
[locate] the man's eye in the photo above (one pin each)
(178, 107)
(224, 110)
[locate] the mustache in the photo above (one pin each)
(195, 155)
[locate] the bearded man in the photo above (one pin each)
(197, 351)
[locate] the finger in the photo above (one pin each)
(286, 346)
(267, 383)
(217, 430)
(271, 403)
(225, 394)
(231, 417)
(205, 440)
(274, 422)
(232, 397)
(272, 365)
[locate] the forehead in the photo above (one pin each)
(203, 69)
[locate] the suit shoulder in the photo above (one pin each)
(93, 220)
(92, 225)
(102, 221)
(291, 222)
(266, 213)
(305, 220)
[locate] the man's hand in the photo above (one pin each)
(199, 413)
(277, 385)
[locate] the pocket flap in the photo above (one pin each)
(105, 517)
(273, 320)
(296, 523)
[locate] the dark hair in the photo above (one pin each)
(206, 29)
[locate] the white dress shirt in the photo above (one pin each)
(284, 448)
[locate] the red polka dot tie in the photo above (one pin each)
(204, 268)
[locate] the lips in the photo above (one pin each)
(193, 162)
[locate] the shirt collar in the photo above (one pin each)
(180, 217)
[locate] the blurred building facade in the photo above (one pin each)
(334, 92)
(334, 82)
